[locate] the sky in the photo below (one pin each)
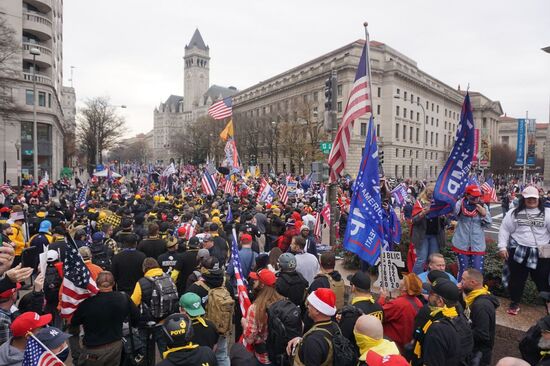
(132, 50)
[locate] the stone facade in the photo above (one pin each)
(37, 25)
(176, 112)
(413, 111)
(508, 134)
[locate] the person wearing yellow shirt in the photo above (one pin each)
(17, 237)
(369, 336)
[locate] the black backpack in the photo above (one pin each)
(342, 351)
(465, 337)
(100, 257)
(159, 297)
(52, 283)
(284, 323)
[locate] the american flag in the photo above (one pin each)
(229, 187)
(317, 227)
(5, 189)
(189, 229)
(78, 284)
(242, 292)
(325, 212)
(221, 109)
(44, 181)
(283, 194)
(266, 193)
(489, 187)
(36, 354)
(229, 217)
(81, 200)
(209, 184)
(359, 103)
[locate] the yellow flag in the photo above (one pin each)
(248, 175)
(227, 131)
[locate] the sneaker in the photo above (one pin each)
(513, 309)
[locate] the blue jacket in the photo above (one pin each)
(469, 235)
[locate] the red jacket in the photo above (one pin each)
(283, 242)
(399, 317)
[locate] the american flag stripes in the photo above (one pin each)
(221, 109)
(77, 284)
(359, 103)
(266, 193)
(242, 292)
(44, 181)
(489, 187)
(189, 229)
(325, 213)
(283, 194)
(36, 354)
(81, 200)
(5, 189)
(209, 184)
(229, 187)
(317, 227)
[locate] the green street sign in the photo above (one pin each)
(325, 146)
(27, 152)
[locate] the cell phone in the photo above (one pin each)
(29, 257)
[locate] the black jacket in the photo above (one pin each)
(185, 265)
(483, 318)
(199, 355)
(152, 247)
(321, 281)
(127, 270)
(293, 286)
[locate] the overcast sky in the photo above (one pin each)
(132, 50)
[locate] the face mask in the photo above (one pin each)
(63, 355)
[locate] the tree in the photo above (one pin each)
(98, 128)
(502, 159)
(9, 48)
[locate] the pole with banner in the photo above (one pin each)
(524, 140)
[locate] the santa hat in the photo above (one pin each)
(324, 300)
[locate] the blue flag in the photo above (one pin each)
(453, 179)
(364, 232)
(229, 217)
(473, 180)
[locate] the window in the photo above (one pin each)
(405, 112)
(404, 151)
(339, 107)
(29, 97)
(397, 131)
(416, 171)
(426, 137)
(437, 108)
(411, 134)
(427, 119)
(377, 130)
(432, 121)
(431, 138)
(50, 100)
(404, 95)
(412, 98)
(379, 92)
(427, 105)
(396, 171)
(42, 99)
(315, 96)
(363, 129)
(339, 90)
(416, 155)
(445, 112)
(436, 139)
(417, 116)
(431, 170)
(397, 92)
(417, 133)
(484, 122)
(411, 116)
(404, 133)
(437, 122)
(445, 124)
(378, 109)
(396, 153)
(410, 171)
(431, 155)
(403, 171)
(417, 100)
(397, 110)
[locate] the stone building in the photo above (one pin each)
(508, 134)
(38, 26)
(415, 114)
(176, 112)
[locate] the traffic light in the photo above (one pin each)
(330, 92)
(380, 157)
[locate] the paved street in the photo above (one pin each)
(496, 214)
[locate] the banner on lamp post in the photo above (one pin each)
(520, 146)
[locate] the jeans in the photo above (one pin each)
(221, 352)
(466, 261)
(428, 246)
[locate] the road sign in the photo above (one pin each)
(325, 146)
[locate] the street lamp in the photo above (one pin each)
(98, 151)
(34, 52)
(424, 172)
(546, 49)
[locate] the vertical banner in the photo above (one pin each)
(520, 147)
(484, 148)
(531, 142)
(476, 146)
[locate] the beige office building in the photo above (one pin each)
(38, 26)
(415, 114)
(508, 134)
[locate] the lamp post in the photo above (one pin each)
(424, 173)
(34, 52)
(17, 149)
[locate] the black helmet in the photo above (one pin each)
(177, 330)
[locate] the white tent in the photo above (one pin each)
(103, 173)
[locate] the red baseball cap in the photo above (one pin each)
(374, 359)
(6, 294)
(473, 190)
(246, 238)
(27, 322)
(265, 276)
(181, 231)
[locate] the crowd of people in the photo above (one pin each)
(164, 263)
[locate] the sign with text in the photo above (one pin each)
(531, 141)
(390, 262)
(325, 146)
(520, 146)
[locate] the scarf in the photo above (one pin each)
(474, 294)
(175, 349)
(362, 298)
(381, 346)
(201, 320)
(435, 315)
(468, 209)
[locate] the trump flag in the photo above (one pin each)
(364, 232)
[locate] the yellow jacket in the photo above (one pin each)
(17, 238)
(136, 295)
